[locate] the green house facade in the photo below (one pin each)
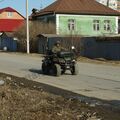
(88, 25)
(80, 17)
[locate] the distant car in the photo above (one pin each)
(57, 63)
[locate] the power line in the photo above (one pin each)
(41, 5)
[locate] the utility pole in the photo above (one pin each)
(27, 30)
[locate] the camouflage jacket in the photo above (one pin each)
(56, 49)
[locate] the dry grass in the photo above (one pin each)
(18, 103)
(22, 102)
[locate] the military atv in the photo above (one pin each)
(57, 63)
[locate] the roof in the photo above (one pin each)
(49, 35)
(78, 36)
(10, 25)
(9, 9)
(56, 36)
(77, 7)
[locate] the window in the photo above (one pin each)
(96, 25)
(107, 26)
(71, 24)
(10, 14)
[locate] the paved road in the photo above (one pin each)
(100, 81)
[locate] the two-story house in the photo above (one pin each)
(80, 17)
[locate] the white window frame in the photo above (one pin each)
(107, 25)
(10, 14)
(71, 24)
(96, 25)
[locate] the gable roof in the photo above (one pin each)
(9, 9)
(10, 25)
(77, 7)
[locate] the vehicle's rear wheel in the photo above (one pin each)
(44, 68)
(75, 70)
(57, 70)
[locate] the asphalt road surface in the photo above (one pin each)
(94, 80)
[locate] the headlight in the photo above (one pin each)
(74, 60)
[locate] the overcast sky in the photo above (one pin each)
(19, 5)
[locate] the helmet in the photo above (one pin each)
(58, 42)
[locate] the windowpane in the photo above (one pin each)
(107, 26)
(71, 24)
(96, 25)
(9, 14)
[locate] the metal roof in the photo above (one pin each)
(7, 9)
(55, 35)
(77, 7)
(50, 35)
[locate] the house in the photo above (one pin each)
(114, 4)
(109, 3)
(92, 24)
(80, 17)
(10, 20)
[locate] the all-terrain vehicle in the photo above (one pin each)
(57, 63)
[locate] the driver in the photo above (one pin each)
(57, 47)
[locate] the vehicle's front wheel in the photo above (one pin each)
(74, 70)
(57, 70)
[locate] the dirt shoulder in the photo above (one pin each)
(99, 61)
(21, 99)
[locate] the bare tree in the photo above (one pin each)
(35, 29)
